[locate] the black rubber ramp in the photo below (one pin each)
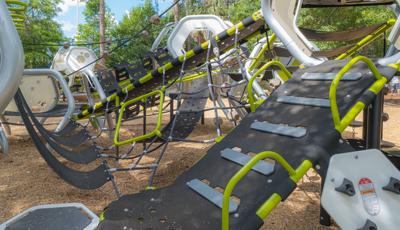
(179, 207)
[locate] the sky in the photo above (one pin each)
(67, 17)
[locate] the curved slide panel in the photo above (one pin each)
(84, 180)
(11, 57)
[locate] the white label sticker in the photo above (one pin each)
(369, 196)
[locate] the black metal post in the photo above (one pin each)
(365, 125)
(375, 135)
(144, 123)
(324, 217)
(171, 109)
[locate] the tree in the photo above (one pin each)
(89, 32)
(130, 25)
(102, 18)
(41, 28)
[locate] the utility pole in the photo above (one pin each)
(102, 19)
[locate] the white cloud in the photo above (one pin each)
(66, 4)
(69, 28)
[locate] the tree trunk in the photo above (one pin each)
(102, 9)
(176, 12)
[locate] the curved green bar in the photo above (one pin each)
(286, 76)
(376, 87)
(155, 132)
(295, 175)
(262, 51)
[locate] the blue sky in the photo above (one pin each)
(67, 17)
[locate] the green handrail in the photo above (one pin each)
(274, 200)
(155, 132)
(286, 76)
(267, 45)
(376, 87)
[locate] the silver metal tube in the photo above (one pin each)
(3, 141)
(390, 60)
(285, 38)
(167, 28)
(257, 88)
(64, 86)
(96, 83)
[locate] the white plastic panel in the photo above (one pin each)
(40, 92)
(189, 24)
(59, 61)
(73, 59)
(79, 57)
(377, 205)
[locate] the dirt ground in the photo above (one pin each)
(26, 180)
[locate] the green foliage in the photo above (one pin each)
(130, 25)
(241, 9)
(89, 31)
(41, 26)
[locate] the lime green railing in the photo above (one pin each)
(376, 87)
(368, 39)
(265, 209)
(286, 75)
(157, 129)
(264, 49)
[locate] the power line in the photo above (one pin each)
(109, 42)
(124, 43)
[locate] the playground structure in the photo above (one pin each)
(297, 125)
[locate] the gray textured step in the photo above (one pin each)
(210, 194)
(262, 167)
(330, 76)
(283, 130)
(317, 102)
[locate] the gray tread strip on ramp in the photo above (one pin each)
(330, 76)
(317, 102)
(263, 167)
(210, 194)
(279, 129)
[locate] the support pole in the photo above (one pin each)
(376, 122)
(102, 13)
(144, 123)
(324, 217)
(373, 123)
(365, 125)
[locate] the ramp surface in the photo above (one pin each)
(180, 207)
